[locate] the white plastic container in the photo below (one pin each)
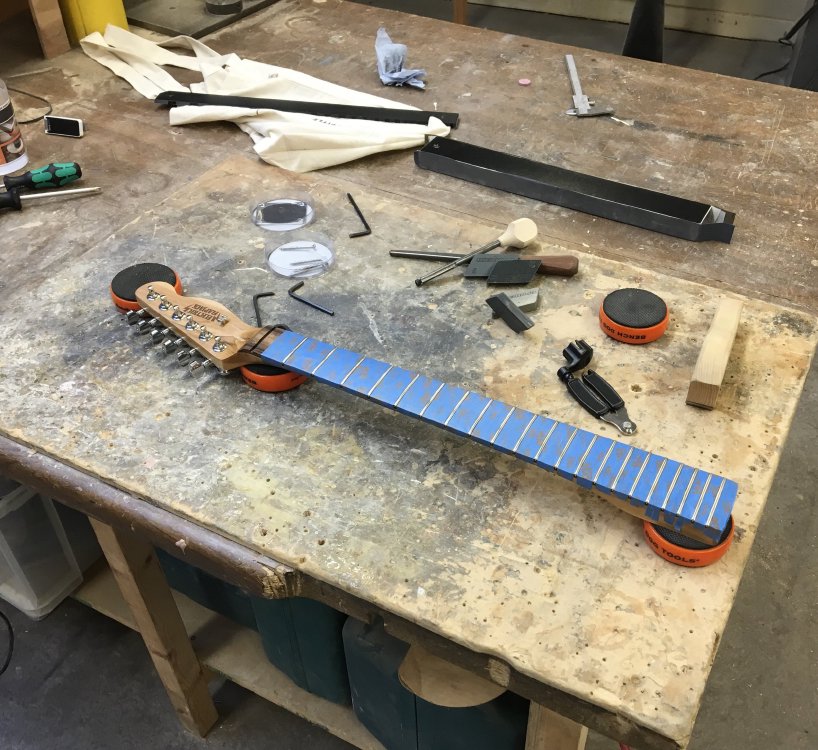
(37, 566)
(13, 154)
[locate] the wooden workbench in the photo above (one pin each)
(512, 573)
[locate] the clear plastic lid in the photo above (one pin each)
(284, 214)
(301, 255)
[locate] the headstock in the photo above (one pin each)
(194, 325)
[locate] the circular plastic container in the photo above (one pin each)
(284, 214)
(301, 255)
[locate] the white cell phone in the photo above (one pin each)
(70, 127)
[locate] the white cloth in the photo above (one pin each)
(290, 140)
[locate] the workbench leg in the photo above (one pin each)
(550, 731)
(50, 26)
(460, 8)
(146, 591)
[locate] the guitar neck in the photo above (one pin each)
(692, 501)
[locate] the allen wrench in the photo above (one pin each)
(366, 230)
(292, 292)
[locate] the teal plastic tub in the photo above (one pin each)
(300, 636)
(402, 721)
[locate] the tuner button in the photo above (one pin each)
(156, 336)
(184, 355)
(171, 346)
(145, 326)
(199, 367)
(134, 316)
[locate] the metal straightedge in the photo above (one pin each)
(319, 109)
(648, 209)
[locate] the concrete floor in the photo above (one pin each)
(78, 680)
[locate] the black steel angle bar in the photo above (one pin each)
(659, 212)
(320, 109)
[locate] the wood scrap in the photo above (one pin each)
(714, 355)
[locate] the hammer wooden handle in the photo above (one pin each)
(555, 265)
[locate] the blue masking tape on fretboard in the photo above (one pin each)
(661, 489)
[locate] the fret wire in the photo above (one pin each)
(604, 461)
(639, 475)
(656, 480)
(701, 497)
(715, 502)
(355, 367)
(429, 402)
(525, 432)
(303, 341)
(687, 492)
(502, 424)
(332, 351)
(621, 469)
(480, 415)
(585, 455)
(548, 437)
(456, 407)
(564, 450)
(403, 392)
(380, 379)
(672, 485)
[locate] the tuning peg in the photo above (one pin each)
(199, 367)
(134, 316)
(184, 355)
(156, 337)
(177, 313)
(204, 334)
(171, 346)
(191, 324)
(145, 326)
(218, 344)
(151, 295)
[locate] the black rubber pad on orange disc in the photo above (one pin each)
(128, 280)
(682, 550)
(271, 379)
(635, 316)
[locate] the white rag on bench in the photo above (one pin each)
(291, 140)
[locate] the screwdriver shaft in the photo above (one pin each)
(59, 193)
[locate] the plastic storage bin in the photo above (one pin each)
(37, 567)
(300, 636)
(402, 721)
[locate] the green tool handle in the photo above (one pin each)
(11, 199)
(54, 175)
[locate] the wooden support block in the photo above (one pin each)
(460, 8)
(50, 27)
(709, 371)
(144, 588)
(550, 731)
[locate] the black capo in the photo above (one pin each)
(593, 392)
